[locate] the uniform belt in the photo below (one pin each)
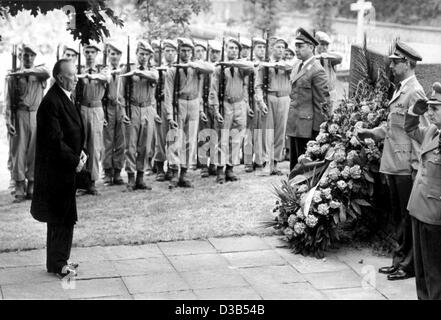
(279, 94)
(23, 107)
(93, 104)
(140, 104)
(233, 100)
(187, 97)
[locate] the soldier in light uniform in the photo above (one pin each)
(207, 135)
(400, 156)
(94, 83)
(27, 86)
(425, 200)
(289, 54)
(275, 110)
(114, 143)
(142, 104)
(245, 48)
(253, 141)
(329, 60)
(170, 48)
(232, 123)
(184, 125)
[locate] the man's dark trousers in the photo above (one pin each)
(59, 243)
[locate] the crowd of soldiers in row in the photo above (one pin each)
(182, 104)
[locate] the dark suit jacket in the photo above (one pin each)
(60, 139)
(309, 90)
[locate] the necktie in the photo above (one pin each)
(300, 67)
(141, 68)
(185, 71)
(398, 87)
(113, 74)
(232, 72)
(90, 70)
(72, 98)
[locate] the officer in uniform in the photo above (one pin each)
(275, 110)
(207, 136)
(27, 87)
(114, 143)
(399, 158)
(94, 81)
(329, 60)
(309, 93)
(425, 200)
(182, 153)
(232, 123)
(170, 48)
(142, 89)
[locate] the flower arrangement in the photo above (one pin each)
(333, 181)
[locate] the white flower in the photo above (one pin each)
(322, 138)
(292, 220)
(355, 172)
(371, 117)
(300, 214)
(315, 149)
(354, 141)
(351, 155)
(334, 204)
(346, 172)
(333, 128)
(332, 164)
(341, 185)
(324, 148)
(327, 193)
(311, 221)
(339, 156)
(334, 174)
(289, 232)
(311, 143)
(365, 109)
(302, 188)
(317, 197)
(299, 228)
(323, 209)
(324, 181)
(358, 125)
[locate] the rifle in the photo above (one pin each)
(221, 93)
(159, 88)
(58, 52)
(266, 70)
(251, 80)
(14, 90)
(105, 100)
(128, 87)
(176, 87)
(80, 85)
(240, 45)
(206, 83)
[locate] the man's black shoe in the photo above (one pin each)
(400, 274)
(388, 270)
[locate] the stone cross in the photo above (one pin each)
(361, 6)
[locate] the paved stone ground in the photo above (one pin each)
(218, 268)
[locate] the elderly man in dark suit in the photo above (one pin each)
(59, 155)
(425, 200)
(309, 92)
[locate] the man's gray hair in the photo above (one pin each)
(58, 67)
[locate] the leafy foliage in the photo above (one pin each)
(169, 18)
(90, 15)
(265, 13)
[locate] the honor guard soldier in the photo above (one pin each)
(70, 52)
(400, 156)
(113, 133)
(200, 51)
(227, 98)
(253, 141)
(137, 89)
(425, 200)
(275, 109)
(329, 60)
(245, 48)
(207, 138)
(183, 104)
(309, 95)
(170, 48)
(94, 81)
(25, 90)
(289, 54)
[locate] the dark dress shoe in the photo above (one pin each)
(388, 270)
(399, 275)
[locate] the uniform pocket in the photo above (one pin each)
(434, 169)
(397, 118)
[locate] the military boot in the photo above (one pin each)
(204, 172)
(131, 181)
(140, 184)
(108, 177)
(183, 181)
(220, 176)
(12, 186)
(160, 175)
(229, 174)
(117, 179)
(249, 168)
(212, 170)
(169, 174)
(274, 171)
(30, 190)
(174, 181)
(92, 189)
(20, 194)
